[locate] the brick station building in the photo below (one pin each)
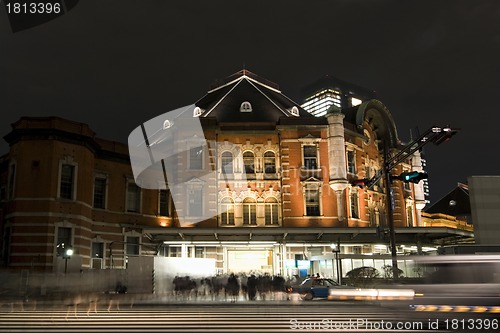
(62, 186)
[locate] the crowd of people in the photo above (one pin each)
(232, 287)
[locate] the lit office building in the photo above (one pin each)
(319, 96)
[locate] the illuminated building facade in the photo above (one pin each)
(63, 186)
(320, 95)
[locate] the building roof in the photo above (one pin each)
(455, 203)
(225, 97)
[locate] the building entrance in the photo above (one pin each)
(246, 261)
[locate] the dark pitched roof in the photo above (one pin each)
(224, 99)
(455, 203)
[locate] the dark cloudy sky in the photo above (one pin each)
(114, 64)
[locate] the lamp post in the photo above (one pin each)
(336, 250)
(67, 255)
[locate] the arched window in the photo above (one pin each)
(249, 162)
(271, 215)
(227, 211)
(249, 211)
(269, 162)
(227, 162)
(246, 107)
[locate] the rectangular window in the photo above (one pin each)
(227, 211)
(407, 186)
(174, 251)
(63, 240)
(164, 203)
(133, 245)
(409, 218)
(271, 213)
(227, 163)
(312, 201)
(354, 206)
(269, 162)
(66, 185)
(195, 200)
(12, 177)
(97, 250)
(199, 252)
(100, 192)
(196, 158)
(250, 213)
(133, 198)
(310, 157)
(351, 165)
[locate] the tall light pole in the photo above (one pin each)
(67, 255)
(336, 250)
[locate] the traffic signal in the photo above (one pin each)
(412, 176)
(444, 135)
(360, 182)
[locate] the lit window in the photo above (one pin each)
(249, 211)
(295, 111)
(66, 185)
(409, 216)
(133, 198)
(269, 162)
(372, 217)
(310, 157)
(249, 162)
(227, 163)
(246, 107)
(100, 192)
(197, 112)
(312, 200)
(354, 205)
(355, 101)
(271, 214)
(227, 209)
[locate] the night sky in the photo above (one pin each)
(117, 63)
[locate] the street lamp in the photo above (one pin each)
(68, 252)
(336, 250)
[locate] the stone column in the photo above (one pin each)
(336, 157)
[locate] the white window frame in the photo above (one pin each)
(246, 106)
(318, 187)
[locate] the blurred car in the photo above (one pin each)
(314, 287)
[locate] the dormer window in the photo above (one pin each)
(197, 112)
(246, 107)
(295, 111)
